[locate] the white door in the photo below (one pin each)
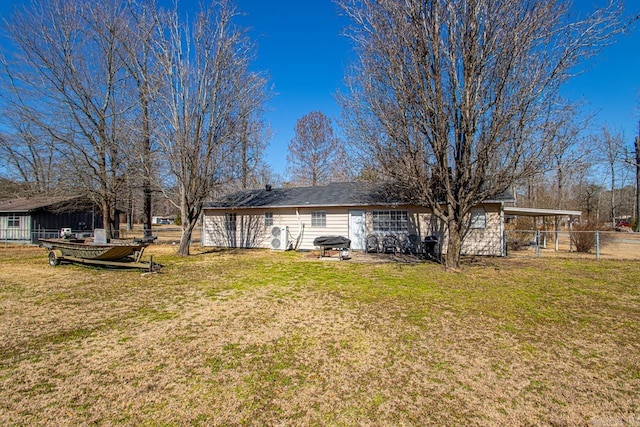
(357, 230)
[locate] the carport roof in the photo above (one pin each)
(509, 210)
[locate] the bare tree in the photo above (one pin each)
(207, 94)
(569, 157)
(632, 159)
(314, 151)
(610, 149)
(253, 137)
(67, 80)
(29, 157)
(137, 40)
(590, 195)
(569, 152)
(637, 167)
(451, 97)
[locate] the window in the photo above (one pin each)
(268, 219)
(13, 221)
(478, 218)
(230, 222)
(396, 222)
(230, 229)
(318, 219)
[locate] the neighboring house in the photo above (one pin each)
(259, 218)
(162, 220)
(25, 220)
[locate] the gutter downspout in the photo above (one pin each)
(300, 232)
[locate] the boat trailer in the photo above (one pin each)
(56, 258)
(118, 256)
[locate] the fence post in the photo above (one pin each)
(597, 245)
(505, 248)
(570, 236)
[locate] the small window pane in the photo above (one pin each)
(478, 218)
(318, 219)
(396, 222)
(13, 221)
(230, 222)
(268, 219)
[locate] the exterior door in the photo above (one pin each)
(357, 233)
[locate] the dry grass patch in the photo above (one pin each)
(257, 337)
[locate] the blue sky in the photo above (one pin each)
(300, 44)
(301, 47)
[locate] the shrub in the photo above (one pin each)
(583, 238)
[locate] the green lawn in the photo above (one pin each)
(264, 338)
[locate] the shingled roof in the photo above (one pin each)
(331, 195)
(30, 204)
(334, 194)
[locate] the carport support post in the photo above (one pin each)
(557, 225)
(538, 245)
(571, 234)
(597, 245)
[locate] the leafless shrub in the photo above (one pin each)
(583, 238)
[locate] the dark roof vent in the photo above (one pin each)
(267, 187)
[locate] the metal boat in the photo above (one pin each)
(115, 253)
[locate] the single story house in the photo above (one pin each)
(27, 219)
(285, 218)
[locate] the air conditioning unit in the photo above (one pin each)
(279, 238)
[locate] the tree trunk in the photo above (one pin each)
(108, 219)
(146, 208)
(245, 160)
(130, 208)
(146, 180)
(560, 199)
(613, 196)
(189, 217)
(637, 229)
(188, 224)
(454, 246)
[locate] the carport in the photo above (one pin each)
(537, 213)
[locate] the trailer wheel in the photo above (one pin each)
(54, 258)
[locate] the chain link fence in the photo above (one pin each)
(518, 243)
(574, 244)
(169, 234)
(165, 234)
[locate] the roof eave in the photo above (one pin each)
(540, 212)
(315, 206)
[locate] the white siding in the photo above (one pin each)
(251, 232)
(21, 233)
(337, 225)
(487, 241)
(214, 233)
